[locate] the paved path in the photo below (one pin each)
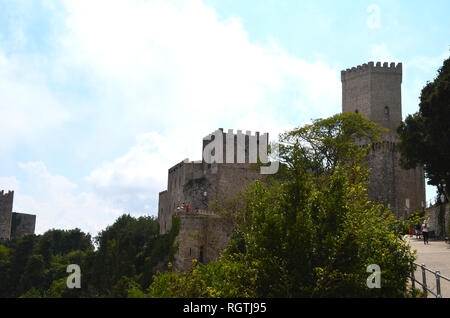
(435, 256)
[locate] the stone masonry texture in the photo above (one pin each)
(374, 90)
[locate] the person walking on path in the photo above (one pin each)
(425, 233)
(417, 230)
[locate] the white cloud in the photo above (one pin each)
(29, 110)
(172, 64)
(9, 184)
(56, 202)
(178, 71)
(374, 18)
(381, 53)
(135, 179)
(169, 73)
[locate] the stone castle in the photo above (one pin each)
(13, 224)
(373, 90)
(204, 234)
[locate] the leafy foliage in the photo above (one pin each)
(424, 137)
(122, 265)
(308, 231)
(311, 232)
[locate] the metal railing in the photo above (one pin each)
(424, 285)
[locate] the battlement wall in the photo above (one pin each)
(202, 237)
(401, 190)
(370, 67)
(198, 183)
(375, 92)
(6, 205)
(236, 147)
(22, 224)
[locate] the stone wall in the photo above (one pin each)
(432, 217)
(14, 224)
(199, 183)
(163, 213)
(202, 237)
(374, 90)
(200, 187)
(6, 205)
(22, 224)
(402, 190)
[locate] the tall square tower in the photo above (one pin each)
(374, 90)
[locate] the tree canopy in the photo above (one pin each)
(127, 256)
(311, 232)
(424, 137)
(308, 231)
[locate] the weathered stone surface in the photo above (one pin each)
(22, 224)
(6, 205)
(198, 184)
(202, 237)
(432, 217)
(374, 90)
(13, 224)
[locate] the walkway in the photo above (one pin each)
(436, 256)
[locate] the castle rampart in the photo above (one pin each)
(219, 176)
(6, 205)
(13, 224)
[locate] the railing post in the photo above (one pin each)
(413, 280)
(424, 281)
(438, 284)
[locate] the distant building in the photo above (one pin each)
(13, 224)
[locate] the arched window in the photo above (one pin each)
(356, 111)
(386, 111)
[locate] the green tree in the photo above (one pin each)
(424, 137)
(130, 247)
(311, 232)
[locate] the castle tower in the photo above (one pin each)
(6, 205)
(374, 90)
(198, 183)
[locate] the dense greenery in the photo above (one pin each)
(425, 135)
(128, 252)
(307, 231)
(310, 231)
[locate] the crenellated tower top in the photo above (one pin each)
(359, 70)
(374, 90)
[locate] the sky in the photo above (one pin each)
(99, 98)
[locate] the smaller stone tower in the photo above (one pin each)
(6, 205)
